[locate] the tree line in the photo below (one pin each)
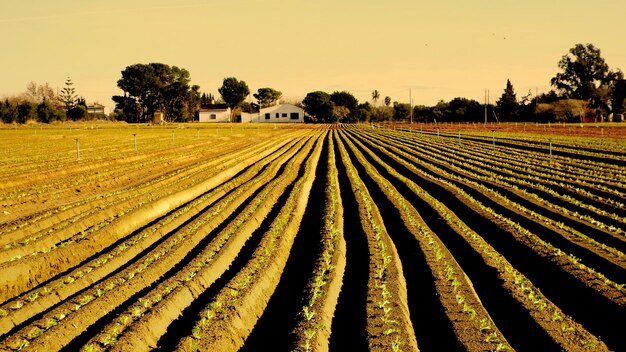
(585, 86)
(41, 103)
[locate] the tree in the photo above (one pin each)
(126, 108)
(68, 95)
(375, 96)
(7, 111)
(423, 113)
(155, 87)
(508, 107)
(463, 109)
(77, 112)
(364, 112)
(45, 112)
(441, 110)
(619, 97)
(318, 105)
(586, 76)
(387, 101)
(346, 100)
(401, 111)
(206, 99)
(25, 112)
(267, 96)
(233, 91)
(340, 113)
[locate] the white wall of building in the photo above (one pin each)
(283, 113)
(214, 115)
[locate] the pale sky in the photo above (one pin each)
(436, 49)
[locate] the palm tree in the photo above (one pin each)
(387, 101)
(375, 96)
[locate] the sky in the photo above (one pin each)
(406, 49)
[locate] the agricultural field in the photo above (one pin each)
(312, 238)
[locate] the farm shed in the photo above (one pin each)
(214, 113)
(158, 118)
(286, 113)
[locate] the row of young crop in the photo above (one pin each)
(199, 270)
(577, 171)
(182, 235)
(81, 179)
(174, 176)
(439, 169)
(598, 177)
(571, 214)
(570, 208)
(596, 210)
(218, 327)
(175, 182)
(456, 292)
(109, 226)
(57, 146)
(544, 312)
(575, 138)
(313, 328)
(459, 185)
(149, 323)
(101, 266)
(389, 325)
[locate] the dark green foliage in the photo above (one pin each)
(364, 112)
(78, 112)
(267, 96)
(206, 99)
(508, 107)
(233, 91)
(7, 112)
(318, 106)
(68, 94)
(45, 112)
(156, 87)
(619, 97)
(401, 111)
(585, 75)
(126, 109)
(422, 113)
(25, 111)
(346, 100)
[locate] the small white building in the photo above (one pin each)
(285, 113)
(214, 113)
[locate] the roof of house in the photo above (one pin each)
(211, 107)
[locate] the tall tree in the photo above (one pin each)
(152, 87)
(318, 105)
(233, 91)
(586, 76)
(267, 96)
(387, 101)
(68, 95)
(508, 107)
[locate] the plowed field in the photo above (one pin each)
(311, 238)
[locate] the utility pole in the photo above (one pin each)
(486, 102)
(411, 105)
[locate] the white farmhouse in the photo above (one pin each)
(286, 113)
(214, 113)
